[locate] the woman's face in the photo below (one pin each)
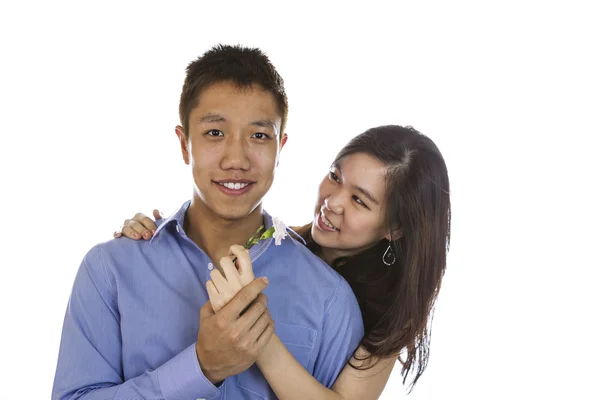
(350, 211)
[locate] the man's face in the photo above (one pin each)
(233, 148)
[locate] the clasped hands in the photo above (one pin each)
(235, 324)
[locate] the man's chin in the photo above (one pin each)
(237, 213)
(227, 209)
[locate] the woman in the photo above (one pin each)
(382, 220)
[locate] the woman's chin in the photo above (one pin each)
(324, 239)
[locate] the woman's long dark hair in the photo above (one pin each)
(397, 301)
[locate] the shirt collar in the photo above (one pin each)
(177, 220)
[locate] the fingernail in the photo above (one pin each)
(146, 235)
(265, 280)
(116, 234)
(153, 232)
(135, 235)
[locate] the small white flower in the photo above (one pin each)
(280, 231)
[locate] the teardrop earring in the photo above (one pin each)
(389, 257)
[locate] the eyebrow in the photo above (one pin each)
(210, 117)
(266, 123)
(263, 123)
(365, 192)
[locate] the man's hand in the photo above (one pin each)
(229, 343)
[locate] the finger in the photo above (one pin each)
(260, 325)
(254, 312)
(145, 221)
(138, 229)
(231, 273)
(118, 233)
(213, 295)
(219, 281)
(246, 296)
(206, 311)
(129, 232)
(266, 335)
(157, 214)
(243, 263)
(211, 289)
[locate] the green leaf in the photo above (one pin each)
(268, 233)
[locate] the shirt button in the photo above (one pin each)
(211, 266)
(200, 398)
(177, 227)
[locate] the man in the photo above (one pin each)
(132, 329)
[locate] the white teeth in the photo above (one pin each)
(326, 222)
(234, 186)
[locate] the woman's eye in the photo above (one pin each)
(214, 133)
(261, 136)
(359, 201)
(333, 176)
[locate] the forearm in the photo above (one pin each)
(342, 333)
(180, 377)
(288, 379)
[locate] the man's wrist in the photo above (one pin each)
(212, 376)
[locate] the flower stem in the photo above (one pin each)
(250, 241)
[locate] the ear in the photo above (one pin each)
(282, 143)
(183, 142)
(394, 235)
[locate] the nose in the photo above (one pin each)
(235, 154)
(333, 203)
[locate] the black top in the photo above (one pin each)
(371, 281)
(373, 284)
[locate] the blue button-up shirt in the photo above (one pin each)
(132, 318)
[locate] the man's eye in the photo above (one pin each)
(214, 133)
(261, 136)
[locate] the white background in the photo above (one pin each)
(510, 92)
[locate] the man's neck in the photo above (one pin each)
(214, 234)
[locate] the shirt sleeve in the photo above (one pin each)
(90, 363)
(342, 333)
